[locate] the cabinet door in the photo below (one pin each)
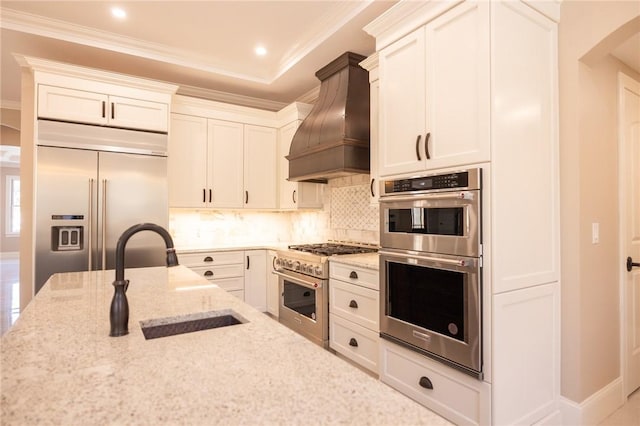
(187, 162)
(137, 114)
(294, 195)
(374, 184)
(259, 167)
(225, 171)
(255, 279)
(273, 292)
(72, 105)
(457, 92)
(402, 105)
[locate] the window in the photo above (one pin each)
(13, 205)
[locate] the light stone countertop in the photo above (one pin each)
(364, 260)
(59, 365)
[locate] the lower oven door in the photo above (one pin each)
(431, 303)
(304, 305)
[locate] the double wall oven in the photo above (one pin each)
(303, 272)
(430, 266)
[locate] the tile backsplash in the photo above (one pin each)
(347, 215)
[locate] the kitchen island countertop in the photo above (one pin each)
(59, 365)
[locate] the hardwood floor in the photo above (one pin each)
(9, 292)
(628, 414)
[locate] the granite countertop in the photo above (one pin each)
(364, 260)
(59, 365)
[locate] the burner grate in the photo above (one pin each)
(328, 249)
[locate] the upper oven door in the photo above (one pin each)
(444, 222)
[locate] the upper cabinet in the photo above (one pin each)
(81, 106)
(220, 163)
(434, 94)
(260, 167)
(294, 195)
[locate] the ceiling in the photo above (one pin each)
(205, 47)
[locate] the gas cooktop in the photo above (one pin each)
(329, 249)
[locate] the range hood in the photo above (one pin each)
(333, 140)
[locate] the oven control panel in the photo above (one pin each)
(302, 267)
(466, 179)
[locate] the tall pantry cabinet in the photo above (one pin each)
(474, 83)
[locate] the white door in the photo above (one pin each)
(629, 115)
(187, 164)
(260, 167)
(225, 171)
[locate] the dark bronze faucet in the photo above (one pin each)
(119, 314)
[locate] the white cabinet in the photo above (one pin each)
(294, 195)
(354, 307)
(434, 94)
(450, 393)
(371, 65)
(187, 165)
(436, 60)
(225, 157)
(255, 279)
(221, 164)
(273, 291)
(223, 268)
(61, 103)
(259, 167)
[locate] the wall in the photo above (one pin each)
(346, 216)
(588, 156)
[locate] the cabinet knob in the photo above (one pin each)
(425, 383)
(208, 259)
(353, 275)
(208, 274)
(353, 342)
(353, 304)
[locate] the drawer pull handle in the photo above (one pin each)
(208, 274)
(353, 275)
(353, 342)
(208, 259)
(425, 383)
(353, 304)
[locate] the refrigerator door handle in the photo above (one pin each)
(89, 228)
(104, 224)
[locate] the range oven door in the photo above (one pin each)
(304, 305)
(443, 222)
(431, 303)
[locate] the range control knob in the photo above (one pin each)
(296, 265)
(318, 270)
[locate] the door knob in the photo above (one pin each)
(631, 264)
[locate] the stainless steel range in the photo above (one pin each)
(304, 286)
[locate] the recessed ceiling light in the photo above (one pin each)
(261, 50)
(118, 12)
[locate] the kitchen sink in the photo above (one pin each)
(171, 326)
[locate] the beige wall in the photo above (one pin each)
(589, 175)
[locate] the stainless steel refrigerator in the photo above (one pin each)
(92, 183)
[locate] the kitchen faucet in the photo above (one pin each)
(119, 313)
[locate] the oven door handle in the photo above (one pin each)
(309, 284)
(456, 195)
(453, 262)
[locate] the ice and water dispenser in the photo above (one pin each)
(67, 237)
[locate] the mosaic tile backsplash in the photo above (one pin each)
(347, 215)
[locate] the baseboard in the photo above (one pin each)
(594, 409)
(9, 255)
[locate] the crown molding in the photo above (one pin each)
(404, 17)
(311, 96)
(230, 98)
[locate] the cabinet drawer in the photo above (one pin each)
(222, 271)
(456, 396)
(230, 284)
(354, 275)
(211, 258)
(358, 304)
(357, 343)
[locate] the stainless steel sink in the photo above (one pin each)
(163, 327)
